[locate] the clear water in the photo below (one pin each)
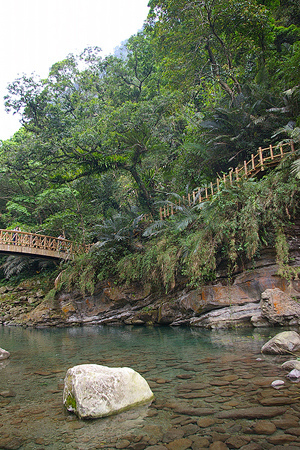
(184, 367)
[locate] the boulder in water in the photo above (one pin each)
(291, 364)
(285, 342)
(93, 391)
(4, 354)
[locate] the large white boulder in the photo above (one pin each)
(4, 354)
(93, 391)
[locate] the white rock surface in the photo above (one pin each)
(294, 375)
(277, 384)
(93, 391)
(291, 364)
(4, 354)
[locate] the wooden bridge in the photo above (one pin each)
(30, 244)
(265, 158)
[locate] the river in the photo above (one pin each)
(189, 371)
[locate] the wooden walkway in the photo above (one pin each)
(20, 242)
(264, 159)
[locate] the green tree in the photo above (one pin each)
(74, 129)
(208, 43)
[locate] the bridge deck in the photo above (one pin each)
(20, 242)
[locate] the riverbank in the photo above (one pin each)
(250, 299)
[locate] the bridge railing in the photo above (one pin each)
(265, 157)
(40, 242)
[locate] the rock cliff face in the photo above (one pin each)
(213, 306)
(221, 304)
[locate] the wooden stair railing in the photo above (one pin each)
(265, 158)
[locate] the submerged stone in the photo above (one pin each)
(93, 391)
(277, 384)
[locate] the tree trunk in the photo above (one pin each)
(144, 196)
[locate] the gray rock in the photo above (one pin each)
(279, 308)
(257, 320)
(292, 364)
(256, 412)
(285, 342)
(294, 375)
(227, 317)
(92, 391)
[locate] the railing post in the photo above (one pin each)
(211, 188)
(253, 162)
(245, 167)
(237, 174)
(271, 152)
(292, 146)
(206, 195)
(224, 179)
(230, 177)
(218, 185)
(281, 151)
(261, 158)
(199, 193)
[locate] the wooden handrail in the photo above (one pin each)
(16, 241)
(265, 157)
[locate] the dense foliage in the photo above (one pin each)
(104, 141)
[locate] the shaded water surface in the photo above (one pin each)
(198, 378)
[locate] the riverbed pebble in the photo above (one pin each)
(264, 427)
